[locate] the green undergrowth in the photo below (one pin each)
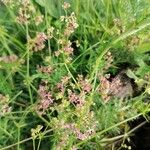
(53, 57)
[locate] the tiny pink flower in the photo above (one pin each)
(75, 99)
(66, 5)
(45, 99)
(39, 41)
(45, 69)
(9, 59)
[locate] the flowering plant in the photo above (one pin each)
(74, 75)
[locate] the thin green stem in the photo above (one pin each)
(123, 135)
(18, 145)
(38, 147)
(23, 141)
(6, 132)
(72, 76)
(28, 51)
(20, 142)
(28, 64)
(47, 27)
(33, 144)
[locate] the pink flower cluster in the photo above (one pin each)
(104, 88)
(78, 133)
(109, 59)
(45, 69)
(39, 41)
(66, 5)
(75, 98)
(85, 85)
(4, 105)
(38, 19)
(9, 59)
(62, 84)
(67, 48)
(71, 24)
(45, 99)
(117, 87)
(25, 12)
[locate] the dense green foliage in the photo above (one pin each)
(54, 59)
